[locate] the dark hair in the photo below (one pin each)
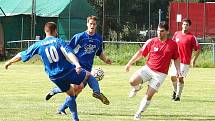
(50, 27)
(164, 24)
(91, 17)
(187, 20)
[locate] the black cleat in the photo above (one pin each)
(173, 95)
(101, 97)
(177, 99)
(49, 95)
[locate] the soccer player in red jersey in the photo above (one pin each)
(160, 50)
(187, 42)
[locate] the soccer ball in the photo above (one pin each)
(98, 73)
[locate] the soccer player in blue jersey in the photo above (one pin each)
(86, 45)
(54, 54)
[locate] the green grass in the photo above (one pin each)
(23, 88)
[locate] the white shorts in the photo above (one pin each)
(154, 78)
(183, 67)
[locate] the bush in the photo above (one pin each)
(122, 53)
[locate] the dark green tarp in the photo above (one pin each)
(70, 16)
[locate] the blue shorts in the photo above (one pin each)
(63, 81)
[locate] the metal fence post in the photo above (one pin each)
(213, 53)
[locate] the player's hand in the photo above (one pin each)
(78, 69)
(108, 61)
(127, 67)
(7, 64)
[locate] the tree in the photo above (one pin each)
(134, 14)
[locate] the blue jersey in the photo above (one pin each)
(86, 47)
(51, 50)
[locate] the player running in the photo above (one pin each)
(187, 42)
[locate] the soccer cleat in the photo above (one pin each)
(61, 112)
(101, 97)
(137, 117)
(177, 99)
(49, 95)
(133, 92)
(173, 95)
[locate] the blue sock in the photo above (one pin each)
(93, 83)
(56, 90)
(64, 106)
(73, 107)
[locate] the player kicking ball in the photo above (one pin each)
(160, 50)
(86, 46)
(54, 53)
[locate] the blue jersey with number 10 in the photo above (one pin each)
(52, 51)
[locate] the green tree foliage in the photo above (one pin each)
(133, 15)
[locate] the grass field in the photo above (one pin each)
(23, 88)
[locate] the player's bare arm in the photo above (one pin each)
(12, 60)
(74, 59)
(104, 58)
(135, 58)
(196, 55)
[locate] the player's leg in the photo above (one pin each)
(92, 82)
(94, 85)
(154, 84)
(145, 102)
(174, 86)
(65, 86)
(136, 84)
(57, 90)
(173, 74)
(53, 92)
(136, 80)
(96, 93)
(180, 85)
(64, 106)
(71, 103)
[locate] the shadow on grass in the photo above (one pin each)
(180, 117)
(202, 101)
(172, 117)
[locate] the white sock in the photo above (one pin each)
(179, 89)
(174, 86)
(143, 105)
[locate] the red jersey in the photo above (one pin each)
(186, 44)
(160, 54)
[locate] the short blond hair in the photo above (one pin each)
(91, 17)
(50, 27)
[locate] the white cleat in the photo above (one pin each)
(137, 117)
(134, 91)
